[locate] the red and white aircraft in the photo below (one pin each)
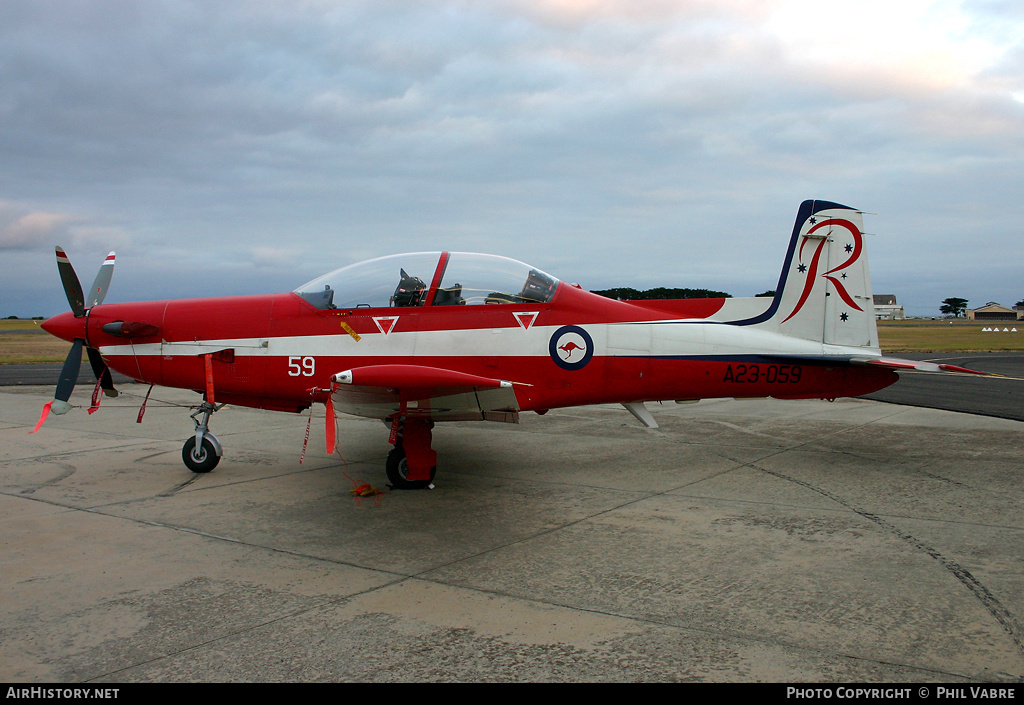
(447, 336)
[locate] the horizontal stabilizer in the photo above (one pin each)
(916, 366)
(889, 363)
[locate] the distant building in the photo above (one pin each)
(995, 312)
(886, 308)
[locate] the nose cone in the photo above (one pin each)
(66, 326)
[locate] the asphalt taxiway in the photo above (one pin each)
(742, 541)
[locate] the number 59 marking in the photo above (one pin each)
(301, 366)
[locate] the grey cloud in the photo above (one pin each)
(576, 136)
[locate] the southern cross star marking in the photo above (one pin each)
(843, 317)
(802, 268)
(849, 248)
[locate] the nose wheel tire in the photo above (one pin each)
(202, 459)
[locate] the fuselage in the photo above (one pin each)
(280, 351)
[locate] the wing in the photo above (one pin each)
(386, 391)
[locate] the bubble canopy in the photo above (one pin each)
(430, 279)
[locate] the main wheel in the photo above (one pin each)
(203, 459)
(398, 470)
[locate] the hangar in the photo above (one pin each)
(994, 312)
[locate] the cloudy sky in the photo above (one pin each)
(245, 147)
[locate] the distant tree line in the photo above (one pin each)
(625, 293)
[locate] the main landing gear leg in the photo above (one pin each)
(202, 451)
(412, 463)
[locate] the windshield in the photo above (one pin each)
(405, 280)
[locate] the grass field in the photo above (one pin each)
(948, 336)
(22, 341)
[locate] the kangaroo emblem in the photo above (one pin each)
(569, 348)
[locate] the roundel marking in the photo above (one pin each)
(571, 347)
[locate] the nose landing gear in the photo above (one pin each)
(203, 451)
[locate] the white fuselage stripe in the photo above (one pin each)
(689, 338)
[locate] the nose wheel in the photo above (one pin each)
(203, 451)
(202, 458)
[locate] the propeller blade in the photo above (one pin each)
(102, 372)
(72, 287)
(102, 282)
(68, 377)
(73, 363)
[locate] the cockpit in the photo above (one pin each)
(430, 279)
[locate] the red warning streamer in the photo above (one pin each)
(95, 397)
(142, 409)
(42, 417)
(330, 425)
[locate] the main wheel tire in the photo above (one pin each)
(203, 459)
(397, 467)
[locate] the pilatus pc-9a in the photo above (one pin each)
(422, 338)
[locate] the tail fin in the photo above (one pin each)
(824, 293)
